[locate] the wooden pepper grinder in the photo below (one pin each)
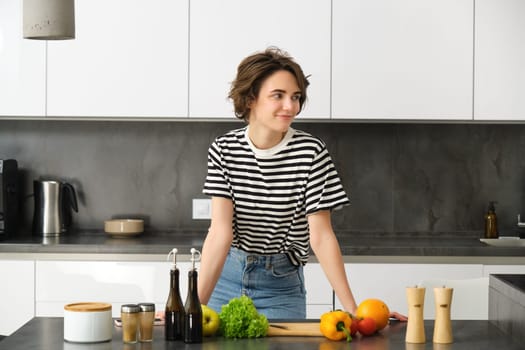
(415, 327)
(442, 323)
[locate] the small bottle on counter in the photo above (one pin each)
(146, 319)
(174, 312)
(129, 315)
(491, 222)
(192, 307)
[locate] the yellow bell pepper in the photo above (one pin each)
(335, 325)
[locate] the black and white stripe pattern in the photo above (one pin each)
(273, 190)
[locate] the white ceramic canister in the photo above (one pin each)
(88, 322)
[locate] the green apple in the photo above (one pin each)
(210, 321)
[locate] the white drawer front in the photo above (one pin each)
(62, 282)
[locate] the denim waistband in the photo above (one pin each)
(263, 259)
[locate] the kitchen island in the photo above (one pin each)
(47, 333)
(129, 270)
(507, 304)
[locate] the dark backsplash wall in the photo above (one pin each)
(423, 178)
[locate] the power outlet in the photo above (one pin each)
(201, 209)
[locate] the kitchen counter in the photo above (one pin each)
(48, 333)
(356, 247)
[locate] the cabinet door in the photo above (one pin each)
(22, 66)
(17, 296)
(406, 59)
(129, 59)
(319, 295)
(388, 282)
(499, 90)
(222, 33)
(62, 282)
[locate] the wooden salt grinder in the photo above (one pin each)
(415, 327)
(442, 323)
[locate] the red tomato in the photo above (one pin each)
(354, 326)
(367, 326)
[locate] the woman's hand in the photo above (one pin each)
(160, 314)
(398, 316)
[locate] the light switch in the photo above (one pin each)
(201, 208)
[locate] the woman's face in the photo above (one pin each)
(277, 104)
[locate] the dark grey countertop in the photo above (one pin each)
(352, 244)
(48, 333)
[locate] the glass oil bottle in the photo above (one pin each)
(192, 307)
(174, 313)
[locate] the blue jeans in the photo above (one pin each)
(275, 285)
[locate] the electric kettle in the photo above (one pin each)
(53, 203)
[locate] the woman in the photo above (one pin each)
(273, 189)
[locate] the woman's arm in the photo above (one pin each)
(326, 248)
(215, 247)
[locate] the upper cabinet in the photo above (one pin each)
(366, 59)
(129, 59)
(405, 59)
(22, 66)
(499, 92)
(222, 33)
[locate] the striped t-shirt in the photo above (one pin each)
(273, 190)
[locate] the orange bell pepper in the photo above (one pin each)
(335, 325)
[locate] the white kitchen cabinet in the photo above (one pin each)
(406, 59)
(388, 282)
(22, 66)
(58, 283)
(499, 89)
(319, 295)
(17, 295)
(62, 282)
(129, 59)
(222, 33)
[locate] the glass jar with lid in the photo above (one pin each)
(129, 313)
(146, 319)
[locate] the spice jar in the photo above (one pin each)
(129, 314)
(146, 319)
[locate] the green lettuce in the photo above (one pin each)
(240, 319)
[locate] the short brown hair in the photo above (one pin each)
(253, 71)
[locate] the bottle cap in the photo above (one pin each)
(174, 253)
(195, 256)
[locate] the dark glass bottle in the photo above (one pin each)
(174, 313)
(192, 307)
(491, 222)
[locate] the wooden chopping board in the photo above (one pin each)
(294, 329)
